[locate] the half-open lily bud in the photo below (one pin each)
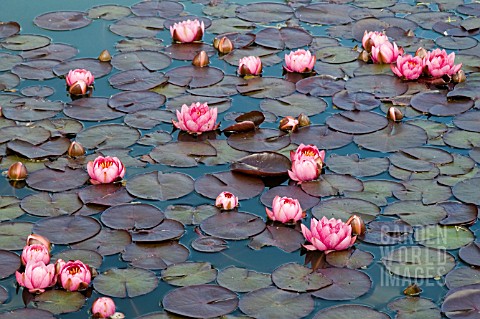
(78, 88)
(303, 120)
(36, 239)
(288, 123)
(17, 171)
(394, 114)
(201, 59)
(105, 56)
(364, 56)
(358, 226)
(225, 45)
(459, 77)
(75, 149)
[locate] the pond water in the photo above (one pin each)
(414, 182)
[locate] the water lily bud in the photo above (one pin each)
(421, 52)
(364, 56)
(459, 77)
(303, 120)
(225, 45)
(103, 307)
(36, 239)
(17, 171)
(394, 114)
(201, 59)
(358, 226)
(105, 56)
(76, 149)
(410, 33)
(288, 123)
(78, 88)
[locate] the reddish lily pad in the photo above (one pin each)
(262, 164)
(356, 122)
(233, 225)
(209, 244)
(62, 20)
(332, 184)
(155, 255)
(166, 230)
(37, 91)
(266, 87)
(355, 101)
(320, 85)
(321, 136)
(462, 139)
(188, 51)
(462, 302)
(298, 278)
(59, 301)
(35, 69)
(8, 81)
(324, 13)
(155, 8)
(148, 119)
(189, 273)
(350, 311)
(138, 27)
(108, 136)
(468, 121)
(470, 254)
(49, 205)
(31, 109)
(462, 276)
(54, 147)
(466, 192)
(243, 280)
(243, 186)
(132, 216)
(262, 140)
(150, 44)
(131, 282)
(347, 284)
(343, 208)
(25, 42)
(181, 154)
(283, 38)
(7, 29)
(106, 242)
(224, 88)
(270, 302)
(160, 186)
(193, 76)
(419, 262)
(458, 213)
(130, 102)
(97, 67)
(105, 194)
(67, 229)
(264, 12)
(136, 60)
(137, 80)
(9, 263)
(437, 103)
(294, 104)
(387, 233)
(13, 235)
(200, 301)
(27, 313)
(53, 51)
(285, 238)
(56, 181)
(379, 85)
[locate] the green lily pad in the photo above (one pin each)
(266, 87)
(88, 257)
(429, 192)
(106, 242)
(190, 215)
(354, 166)
(416, 213)
(346, 284)
(181, 154)
(443, 237)
(298, 278)
(189, 273)
(27, 313)
(108, 136)
(160, 186)
(233, 225)
(155, 255)
(467, 191)
(350, 311)
(285, 238)
(131, 282)
(9, 263)
(350, 258)
(332, 184)
(294, 104)
(243, 280)
(59, 301)
(243, 186)
(13, 235)
(9, 208)
(48, 204)
(67, 229)
(132, 216)
(343, 208)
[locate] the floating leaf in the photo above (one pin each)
(264, 12)
(321, 136)
(306, 201)
(415, 308)
(354, 166)
(458, 213)
(189, 273)
(62, 20)
(160, 186)
(104, 194)
(470, 254)
(9, 208)
(132, 216)
(97, 67)
(243, 280)
(324, 13)
(443, 237)
(415, 213)
(462, 276)
(462, 302)
(418, 262)
(347, 284)
(88, 257)
(27, 313)
(108, 136)
(294, 104)
(350, 258)
(429, 192)
(266, 87)
(356, 122)
(25, 42)
(243, 186)
(131, 102)
(137, 80)
(188, 51)
(343, 208)
(56, 181)
(155, 256)
(466, 191)
(436, 103)
(35, 70)
(350, 311)
(9, 263)
(262, 164)
(270, 303)
(387, 233)
(209, 244)
(168, 229)
(394, 137)
(261, 140)
(379, 85)
(298, 278)
(108, 12)
(332, 184)
(233, 225)
(355, 101)
(48, 205)
(189, 215)
(193, 76)
(283, 38)
(181, 154)
(136, 60)
(7, 29)
(320, 85)
(225, 154)
(67, 229)
(148, 119)
(59, 301)
(131, 282)
(164, 9)
(54, 51)
(106, 242)
(13, 235)
(138, 27)
(285, 238)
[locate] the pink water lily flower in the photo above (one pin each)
(373, 38)
(385, 53)
(187, 31)
(437, 63)
(196, 118)
(103, 307)
(328, 235)
(105, 170)
(226, 201)
(408, 67)
(304, 170)
(76, 75)
(285, 210)
(37, 276)
(300, 61)
(250, 65)
(308, 151)
(73, 275)
(35, 253)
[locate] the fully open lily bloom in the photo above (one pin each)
(300, 61)
(285, 210)
(408, 67)
(438, 63)
(103, 307)
(105, 170)
(187, 31)
(250, 65)
(196, 118)
(328, 235)
(304, 170)
(34, 253)
(37, 276)
(73, 275)
(226, 201)
(386, 53)
(77, 75)
(373, 38)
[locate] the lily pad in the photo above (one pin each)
(437, 103)
(189, 215)
(137, 80)
(266, 87)
(62, 20)
(350, 311)
(13, 235)
(320, 85)
(462, 303)
(56, 181)
(462, 276)
(181, 154)
(209, 244)
(7, 29)
(262, 164)
(346, 284)
(243, 186)
(67, 229)
(106, 242)
(49, 205)
(261, 140)
(458, 213)
(415, 307)
(415, 213)
(293, 105)
(148, 119)
(356, 122)
(285, 238)
(136, 60)
(108, 12)
(159, 186)
(470, 254)
(379, 85)
(355, 101)
(131, 282)
(97, 67)
(283, 38)
(25, 42)
(465, 191)
(9, 263)
(138, 27)
(105, 194)
(387, 232)
(155, 8)
(243, 280)
(193, 76)
(166, 230)
(343, 208)
(321, 136)
(233, 225)
(108, 136)
(354, 166)
(189, 273)
(350, 258)
(443, 237)
(298, 278)
(132, 216)
(88, 257)
(332, 184)
(54, 51)
(27, 313)
(419, 262)
(155, 255)
(264, 12)
(59, 301)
